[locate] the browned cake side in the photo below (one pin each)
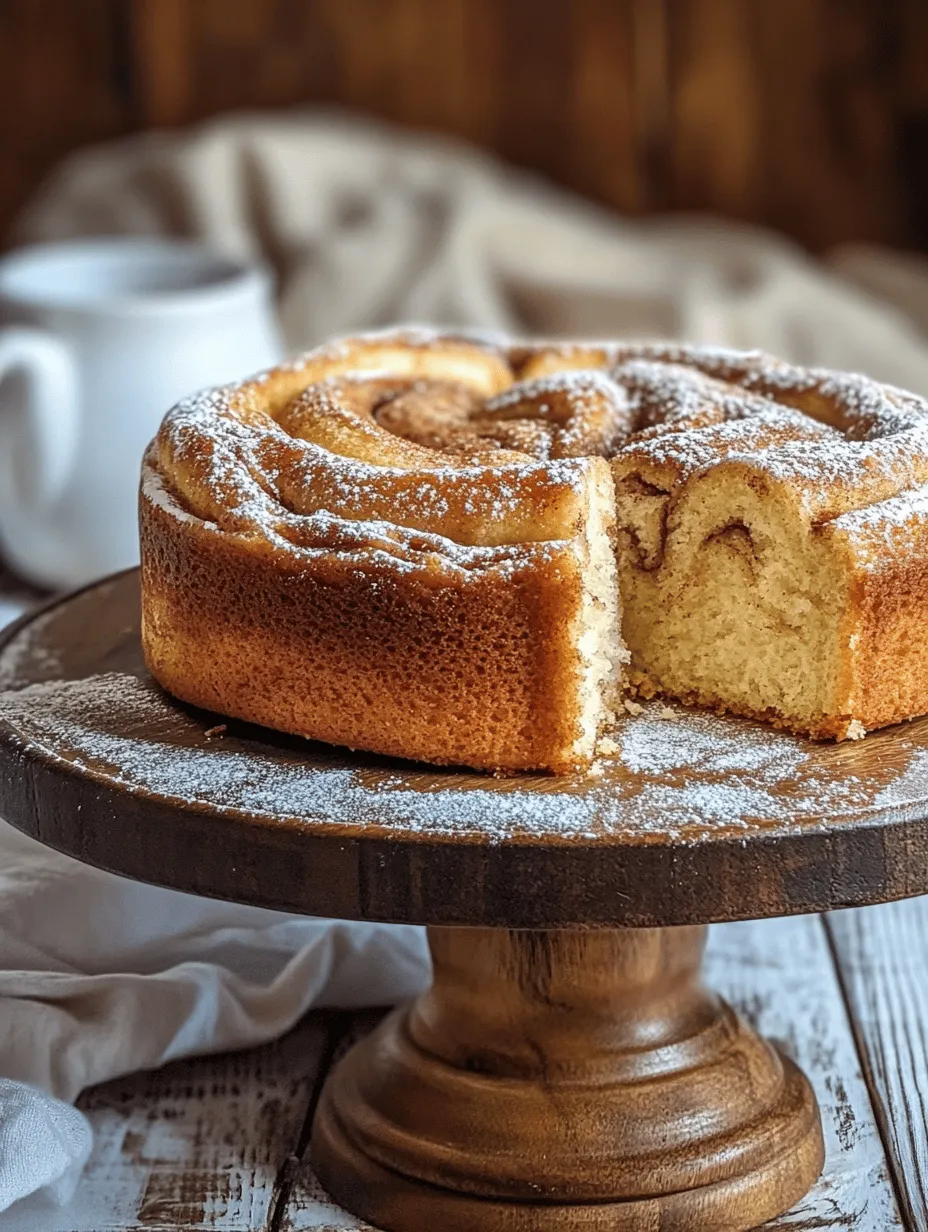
(312, 561)
(478, 670)
(886, 665)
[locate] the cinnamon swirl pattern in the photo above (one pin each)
(461, 550)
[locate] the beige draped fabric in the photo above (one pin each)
(366, 225)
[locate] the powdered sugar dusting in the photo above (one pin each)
(842, 443)
(725, 771)
(124, 728)
(683, 779)
(30, 646)
(661, 746)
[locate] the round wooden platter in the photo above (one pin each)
(566, 1070)
(693, 818)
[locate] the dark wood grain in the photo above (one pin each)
(113, 771)
(66, 81)
(789, 113)
(809, 115)
(571, 1082)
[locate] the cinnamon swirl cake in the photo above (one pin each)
(440, 547)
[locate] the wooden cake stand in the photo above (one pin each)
(566, 1070)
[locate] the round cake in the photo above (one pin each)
(469, 551)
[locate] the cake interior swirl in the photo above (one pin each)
(468, 551)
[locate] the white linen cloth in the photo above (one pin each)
(364, 225)
(100, 976)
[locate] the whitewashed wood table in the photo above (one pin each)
(220, 1143)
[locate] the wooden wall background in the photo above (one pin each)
(807, 115)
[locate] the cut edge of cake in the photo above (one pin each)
(597, 628)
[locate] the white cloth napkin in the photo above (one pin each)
(364, 225)
(100, 976)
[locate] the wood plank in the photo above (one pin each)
(304, 1206)
(198, 1145)
(882, 955)
(780, 975)
(163, 76)
(790, 114)
(610, 105)
(65, 82)
(809, 115)
(651, 76)
(220, 1143)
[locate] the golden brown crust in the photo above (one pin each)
(353, 560)
(887, 612)
(382, 545)
(354, 654)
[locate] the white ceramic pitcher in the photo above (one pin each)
(98, 338)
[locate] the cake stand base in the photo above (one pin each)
(567, 1080)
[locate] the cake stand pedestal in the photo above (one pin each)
(567, 1080)
(566, 1070)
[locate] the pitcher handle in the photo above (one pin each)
(40, 443)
